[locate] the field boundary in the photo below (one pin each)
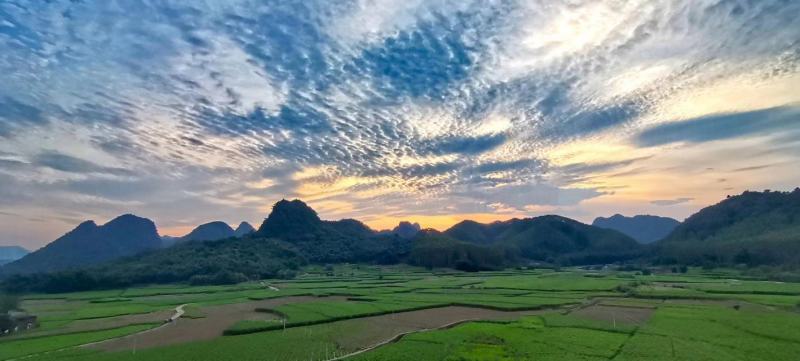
(400, 336)
(178, 313)
(82, 345)
(273, 327)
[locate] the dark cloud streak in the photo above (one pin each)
(771, 121)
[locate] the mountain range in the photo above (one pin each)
(755, 228)
(643, 228)
(90, 244)
(11, 253)
(403, 230)
(216, 230)
(211, 231)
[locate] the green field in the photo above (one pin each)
(566, 315)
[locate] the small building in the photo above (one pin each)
(18, 321)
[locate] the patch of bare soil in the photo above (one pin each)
(117, 321)
(616, 314)
(216, 320)
(724, 303)
(379, 329)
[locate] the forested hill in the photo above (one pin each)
(227, 261)
(551, 239)
(752, 228)
(320, 241)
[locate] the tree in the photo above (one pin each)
(743, 257)
(8, 302)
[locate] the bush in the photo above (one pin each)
(219, 278)
(466, 266)
(8, 302)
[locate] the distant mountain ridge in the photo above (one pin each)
(90, 244)
(755, 228)
(643, 228)
(404, 229)
(11, 253)
(211, 231)
(243, 229)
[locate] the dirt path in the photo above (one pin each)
(397, 338)
(216, 320)
(271, 287)
(178, 312)
(624, 315)
(386, 329)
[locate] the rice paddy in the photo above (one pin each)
(400, 313)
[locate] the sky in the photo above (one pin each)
(432, 111)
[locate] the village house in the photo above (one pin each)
(16, 321)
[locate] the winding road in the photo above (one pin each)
(178, 312)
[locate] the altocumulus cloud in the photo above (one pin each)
(174, 108)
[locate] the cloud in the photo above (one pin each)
(723, 126)
(174, 108)
(515, 165)
(468, 145)
(671, 202)
(576, 172)
(67, 163)
(751, 168)
(425, 61)
(528, 195)
(15, 114)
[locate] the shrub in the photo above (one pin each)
(219, 278)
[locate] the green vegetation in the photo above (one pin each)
(7, 303)
(751, 229)
(527, 339)
(715, 333)
(435, 250)
(674, 333)
(36, 345)
(310, 313)
(620, 315)
(754, 231)
(306, 343)
(200, 263)
(550, 239)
